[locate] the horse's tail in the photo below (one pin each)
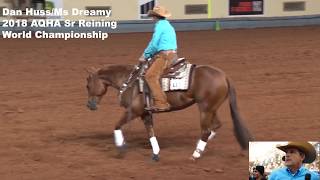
(241, 132)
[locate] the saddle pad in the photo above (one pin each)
(180, 82)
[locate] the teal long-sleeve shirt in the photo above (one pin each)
(285, 174)
(163, 38)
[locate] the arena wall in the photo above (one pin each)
(127, 13)
(275, 8)
(130, 10)
(216, 8)
(271, 8)
(121, 10)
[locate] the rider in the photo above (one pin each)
(162, 50)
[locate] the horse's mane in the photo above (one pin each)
(114, 69)
(115, 72)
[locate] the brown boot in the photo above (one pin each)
(159, 108)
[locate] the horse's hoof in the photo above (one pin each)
(120, 155)
(121, 151)
(122, 148)
(193, 159)
(155, 157)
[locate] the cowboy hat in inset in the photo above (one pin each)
(304, 147)
(159, 11)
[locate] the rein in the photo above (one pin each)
(136, 73)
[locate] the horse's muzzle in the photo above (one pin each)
(92, 104)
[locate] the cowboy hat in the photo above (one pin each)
(159, 11)
(305, 147)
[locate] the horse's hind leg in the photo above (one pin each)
(215, 124)
(208, 122)
(148, 123)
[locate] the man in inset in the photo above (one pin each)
(297, 153)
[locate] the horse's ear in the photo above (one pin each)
(91, 70)
(94, 69)
(88, 70)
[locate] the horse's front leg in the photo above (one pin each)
(148, 123)
(118, 135)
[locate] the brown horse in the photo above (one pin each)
(209, 88)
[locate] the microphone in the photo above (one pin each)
(307, 176)
(283, 158)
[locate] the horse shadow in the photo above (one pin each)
(93, 139)
(104, 141)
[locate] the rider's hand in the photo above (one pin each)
(142, 58)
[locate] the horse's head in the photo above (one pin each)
(96, 87)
